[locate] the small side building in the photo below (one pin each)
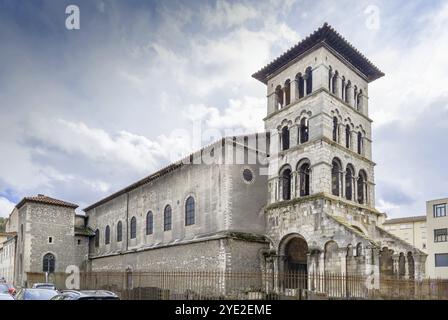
(50, 237)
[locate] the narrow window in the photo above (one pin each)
(300, 85)
(304, 176)
(349, 183)
(285, 138)
(97, 238)
(362, 187)
(335, 177)
(335, 129)
(309, 80)
(278, 98)
(287, 92)
(286, 184)
(347, 136)
(189, 211)
(303, 130)
(149, 223)
(107, 235)
(50, 239)
(133, 227)
(347, 92)
(167, 218)
(119, 231)
(359, 143)
(49, 263)
(334, 88)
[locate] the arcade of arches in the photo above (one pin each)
(298, 260)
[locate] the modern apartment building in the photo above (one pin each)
(437, 230)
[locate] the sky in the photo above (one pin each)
(85, 112)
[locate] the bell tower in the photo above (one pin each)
(318, 117)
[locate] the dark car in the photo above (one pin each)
(86, 295)
(7, 288)
(35, 294)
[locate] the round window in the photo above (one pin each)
(248, 176)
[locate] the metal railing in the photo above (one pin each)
(213, 285)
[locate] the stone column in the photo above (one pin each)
(294, 90)
(396, 265)
(304, 85)
(284, 96)
(342, 193)
(343, 258)
(294, 135)
(294, 193)
(406, 267)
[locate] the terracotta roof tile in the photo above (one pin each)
(324, 36)
(46, 200)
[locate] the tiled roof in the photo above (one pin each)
(405, 220)
(84, 231)
(172, 167)
(324, 36)
(46, 200)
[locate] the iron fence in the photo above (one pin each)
(216, 285)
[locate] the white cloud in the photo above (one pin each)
(226, 14)
(6, 207)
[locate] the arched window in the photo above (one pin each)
(133, 227)
(335, 129)
(149, 223)
(304, 178)
(167, 218)
(107, 235)
(343, 88)
(285, 177)
(189, 211)
(335, 177)
(278, 98)
(359, 101)
(334, 83)
(360, 144)
(300, 85)
(97, 238)
(119, 231)
(303, 130)
(49, 262)
(362, 187)
(309, 80)
(347, 137)
(355, 96)
(330, 76)
(285, 138)
(349, 177)
(287, 92)
(347, 92)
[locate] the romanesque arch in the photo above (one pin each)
(294, 249)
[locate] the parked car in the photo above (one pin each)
(44, 286)
(6, 296)
(35, 294)
(86, 295)
(7, 288)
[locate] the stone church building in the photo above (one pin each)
(299, 197)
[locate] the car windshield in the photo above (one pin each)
(45, 286)
(39, 294)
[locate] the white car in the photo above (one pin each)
(6, 296)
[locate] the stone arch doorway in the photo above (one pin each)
(295, 263)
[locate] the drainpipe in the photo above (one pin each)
(127, 221)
